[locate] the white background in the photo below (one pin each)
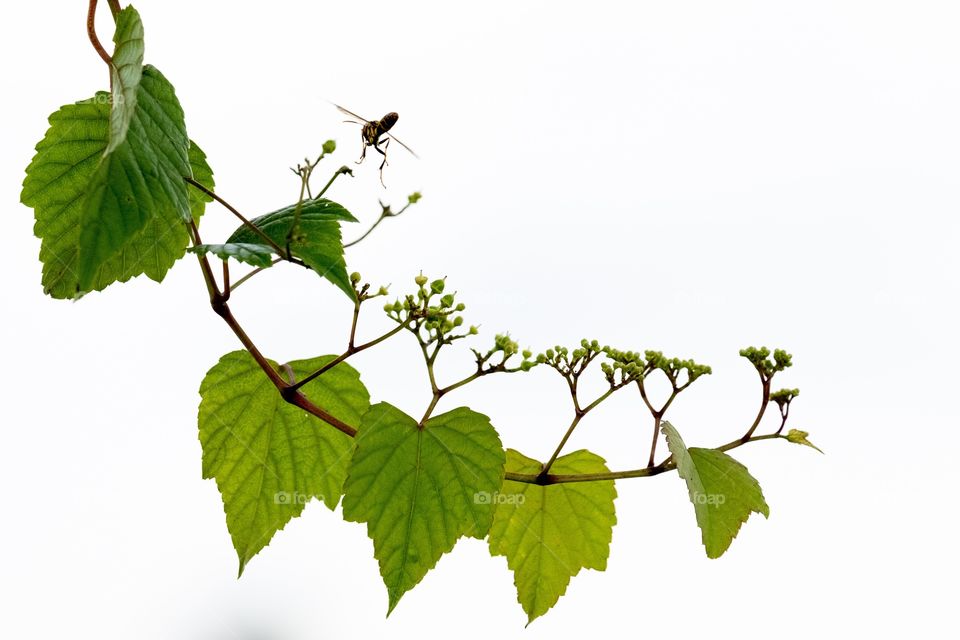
(688, 176)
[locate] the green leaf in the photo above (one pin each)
(203, 174)
(548, 533)
(139, 182)
(420, 489)
(269, 457)
(125, 74)
(68, 168)
(722, 491)
(800, 437)
(317, 242)
(259, 255)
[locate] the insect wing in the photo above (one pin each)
(390, 135)
(353, 115)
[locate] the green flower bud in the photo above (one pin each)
(460, 307)
(421, 280)
(329, 146)
(447, 300)
(354, 277)
(526, 353)
(382, 291)
(437, 286)
(414, 197)
(474, 331)
(457, 321)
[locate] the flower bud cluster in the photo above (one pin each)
(784, 397)
(673, 367)
(507, 347)
(760, 358)
(363, 290)
(430, 313)
(624, 366)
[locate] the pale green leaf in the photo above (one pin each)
(548, 533)
(125, 72)
(270, 457)
(796, 436)
(722, 491)
(420, 489)
(259, 255)
(317, 240)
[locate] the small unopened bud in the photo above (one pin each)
(329, 146)
(354, 277)
(421, 280)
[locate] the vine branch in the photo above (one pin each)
(92, 33)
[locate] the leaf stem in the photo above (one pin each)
(666, 465)
(263, 236)
(658, 413)
(578, 414)
(346, 354)
(342, 170)
(92, 34)
(763, 407)
(255, 272)
(384, 214)
(563, 441)
(220, 307)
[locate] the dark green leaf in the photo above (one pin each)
(317, 242)
(125, 74)
(66, 177)
(259, 255)
(203, 174)
(139, 182)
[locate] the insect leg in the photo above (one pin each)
(363, 150)
(383, 152)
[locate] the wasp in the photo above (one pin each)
(374, 133)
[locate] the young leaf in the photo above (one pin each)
(800, 437)
(548, 533)
(419, 489)
(721, 489)
(317, 241)
(125, 74)
(203, 174)
(267, 456)
(65, 170)
(259, 255)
